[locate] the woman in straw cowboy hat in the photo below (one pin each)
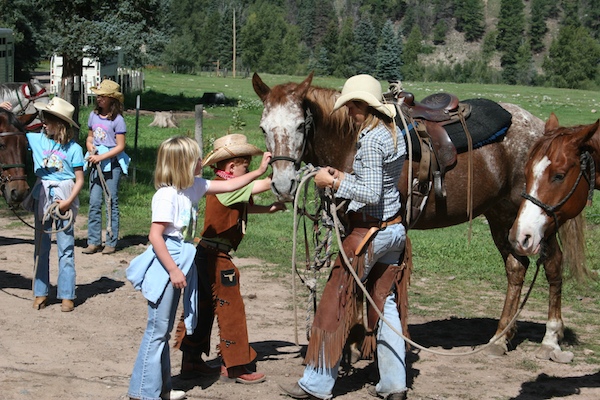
(376, 245)
(105, 144)
(58, 164)
(219, 294)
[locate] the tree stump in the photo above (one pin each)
(164, 119)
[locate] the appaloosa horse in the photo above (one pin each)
(21, 96)
(299, 127)
(561, 174)
(13, 152)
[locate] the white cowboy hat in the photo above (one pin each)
(230, 146)
(58, 107)
(108, 88)
(364, 88)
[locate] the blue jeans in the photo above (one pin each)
(65, 242)
(112, 179)
(388, 247)
(152, 369)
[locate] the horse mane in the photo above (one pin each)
(11, 120)
(321, 101)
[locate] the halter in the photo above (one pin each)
(586, 162)
(26, 91)
(308, 128)
(4, 179)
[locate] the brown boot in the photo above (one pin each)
(241, 374)
(67, 305)
(40, 302)
(91, 249)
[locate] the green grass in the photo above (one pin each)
(452, 276)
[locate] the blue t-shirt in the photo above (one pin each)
(53, 161)
(104, 130)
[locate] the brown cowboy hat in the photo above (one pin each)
(108, 88)
(230, 146)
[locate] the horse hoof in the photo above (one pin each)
(495, 350)
(544, 352)
(562, 357)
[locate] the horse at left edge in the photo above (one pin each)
(21, 96)
(299, 126)
(13, 153)
(561, 175)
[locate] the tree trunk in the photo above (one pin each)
(71, 83)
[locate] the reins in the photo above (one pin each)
(329, 198)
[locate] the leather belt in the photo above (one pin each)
(207, 244)
(359, 220)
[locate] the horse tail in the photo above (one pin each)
(572, 239)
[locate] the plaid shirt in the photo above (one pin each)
(373, 186)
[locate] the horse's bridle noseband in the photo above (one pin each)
(308, 128)
(30, 98)
(586, 162)
(4, 179)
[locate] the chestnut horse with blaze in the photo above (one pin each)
(299, 127)
(561, 175)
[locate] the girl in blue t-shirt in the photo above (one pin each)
(58, 165)
(106, 146)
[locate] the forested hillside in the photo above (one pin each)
(530, 42)
(510, 41)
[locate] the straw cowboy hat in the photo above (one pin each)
(108, 88)
(58, 107)
(364, 88)
(230, 146)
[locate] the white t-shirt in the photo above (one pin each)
(179, 208)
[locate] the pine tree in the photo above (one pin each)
(572, 60)
(365, 41)
(346, 53)
(389, 54)
(511, 30)
(537, 26)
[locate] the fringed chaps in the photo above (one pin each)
(382, 281)
(341, 303)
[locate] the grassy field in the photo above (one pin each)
(444, 255)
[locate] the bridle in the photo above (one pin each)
(586, 163)
(309, 127)
(30, 97)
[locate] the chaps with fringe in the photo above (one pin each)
(339, 306)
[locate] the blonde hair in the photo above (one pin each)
(58, 129)
(176, 162)
(373, 119)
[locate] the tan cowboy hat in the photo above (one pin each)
(58, 107)
(108, 88)
(230, 146)
(364, 88)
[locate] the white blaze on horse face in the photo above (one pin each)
(532, 221)
(281, 123)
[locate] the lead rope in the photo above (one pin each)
(337, 225)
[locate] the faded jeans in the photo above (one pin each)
(152, 369)
(112, 179)
(388, 247)
(65, 242)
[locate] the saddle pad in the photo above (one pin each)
(487, 124)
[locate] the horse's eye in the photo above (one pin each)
(558, 178)
(301, 127)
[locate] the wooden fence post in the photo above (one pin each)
(198, 129)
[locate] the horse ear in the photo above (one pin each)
(589, 131)
(261, 88)
(303, 87)
(552, 123)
